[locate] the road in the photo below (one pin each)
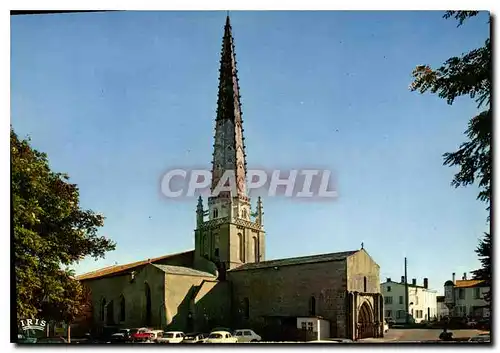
(398, 335)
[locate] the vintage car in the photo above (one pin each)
(221, 337)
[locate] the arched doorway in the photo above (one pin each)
(366, 321)
(147, 292)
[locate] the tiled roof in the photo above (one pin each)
(338, 256)
(185, 271)
(117, 269)
(465, 283)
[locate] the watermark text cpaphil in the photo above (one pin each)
(293, 183)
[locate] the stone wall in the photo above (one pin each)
(112, 288)
(361, 266)
(212, 305)
(179, 291)
(287, 291)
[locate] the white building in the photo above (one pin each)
(422, 301)
(442, 309)
(466, 296)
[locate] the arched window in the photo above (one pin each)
(216, 213)
(102, 309)
(244, 214)
(122, 308)
(246, 308)
(241, 248)
(312, 306)
(364, 284)
(256, 249)
(147, 292)
(110, 313)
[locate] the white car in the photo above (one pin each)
(247, 335)
(171, 337)
(194, 338)
(221, 337)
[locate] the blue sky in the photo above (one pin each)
(116, 99)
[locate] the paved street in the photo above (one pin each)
(395, 335)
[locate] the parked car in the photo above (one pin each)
(246, 335)
(221, 337)
(142, 334)
(195, 338)
(386, 326)
(483, 338)
(121, 336)
(171, 337)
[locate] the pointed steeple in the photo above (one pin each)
(200, 212)
(260, 213)
(229, 148)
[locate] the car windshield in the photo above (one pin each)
(168, 335)
(215, 335)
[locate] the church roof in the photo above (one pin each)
(185, 271)
(336, 256)
(118, 269)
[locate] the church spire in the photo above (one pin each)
(229, 148)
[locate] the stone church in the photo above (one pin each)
(226, 281)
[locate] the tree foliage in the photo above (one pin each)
(50, 232)
(484, 251)
(467, 75)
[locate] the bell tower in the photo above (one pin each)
(228, 233)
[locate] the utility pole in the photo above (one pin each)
(407, 307)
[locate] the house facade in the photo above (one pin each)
(442, 309)
(466, 297)
(422, 300)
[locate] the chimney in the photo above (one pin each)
(453, 278)
(388, 279)
(414, 281)
(426, 283)
(402, 279)
(465, 276)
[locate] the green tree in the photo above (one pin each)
(51, 232)
(468, 75)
